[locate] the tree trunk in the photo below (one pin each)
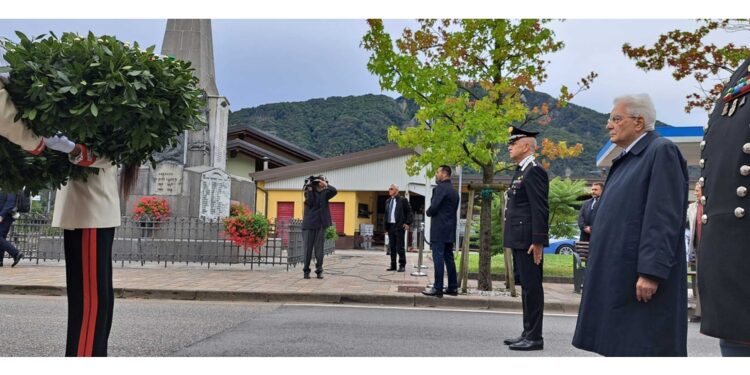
(485, 227)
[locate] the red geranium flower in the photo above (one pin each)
(154, 207)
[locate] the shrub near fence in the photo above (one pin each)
(171, 240)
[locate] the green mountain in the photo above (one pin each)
(340, 125)
(331, 126)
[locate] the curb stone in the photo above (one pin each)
(414, 300)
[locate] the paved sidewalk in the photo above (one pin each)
(351, 276)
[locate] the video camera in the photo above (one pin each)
(313, 181)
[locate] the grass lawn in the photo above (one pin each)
(554, 265)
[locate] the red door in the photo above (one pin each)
(285, 210)
(284, 213)
(337, 215)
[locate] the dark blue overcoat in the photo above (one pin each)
(442, 210)
(639, 230)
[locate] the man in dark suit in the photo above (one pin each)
(724, 247)
(635, 299)
(316, 219)
(397, 221)
(442, 210)
(526, 233)
(7, 209)
(588, 211)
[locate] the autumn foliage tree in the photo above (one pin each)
(468, 77)
(690, 54)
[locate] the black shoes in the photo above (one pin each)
(16, 260)
(307, 275)
(513, 341)
(401, 269)
(432, 292)
(319, 275)
(527, 345)
(451, 292)
(391, 269)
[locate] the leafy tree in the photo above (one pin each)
(468, 77)
(564, 206)
(496, 237)
(689, 53)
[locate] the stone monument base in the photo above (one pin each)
(188, 200)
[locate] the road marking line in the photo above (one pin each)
(417, 308)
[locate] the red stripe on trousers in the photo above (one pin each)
(90, 296)
(94, 291)
(84, 267)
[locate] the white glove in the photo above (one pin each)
(60, 143)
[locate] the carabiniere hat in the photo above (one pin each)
(518, 133)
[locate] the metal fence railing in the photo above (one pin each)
(172, 240)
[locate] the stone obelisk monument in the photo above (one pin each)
(192, 40)
(192, 175)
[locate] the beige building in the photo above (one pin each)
(362, 180)
(249, 149)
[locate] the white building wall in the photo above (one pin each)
(375, 176)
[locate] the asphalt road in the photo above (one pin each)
(35, 326)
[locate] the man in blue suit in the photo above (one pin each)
(588, 211)
(7, 208)
(442, 210)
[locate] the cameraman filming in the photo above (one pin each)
(317, 218)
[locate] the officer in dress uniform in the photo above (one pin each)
(526, 233)
(724, 249)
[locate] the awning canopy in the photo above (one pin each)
(687, 138)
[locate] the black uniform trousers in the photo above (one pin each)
(88, 275)
(532, 293)
(313, 240)
(396, 243)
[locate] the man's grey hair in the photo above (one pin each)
(394, 186)
(640, 105)
(531, 141)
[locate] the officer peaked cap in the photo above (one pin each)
(518, 133)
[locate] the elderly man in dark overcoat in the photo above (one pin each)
(724, 248)
(634, 299)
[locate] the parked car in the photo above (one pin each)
(560, 246)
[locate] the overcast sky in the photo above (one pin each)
(268, 61)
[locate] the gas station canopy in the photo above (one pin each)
(687, 138)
